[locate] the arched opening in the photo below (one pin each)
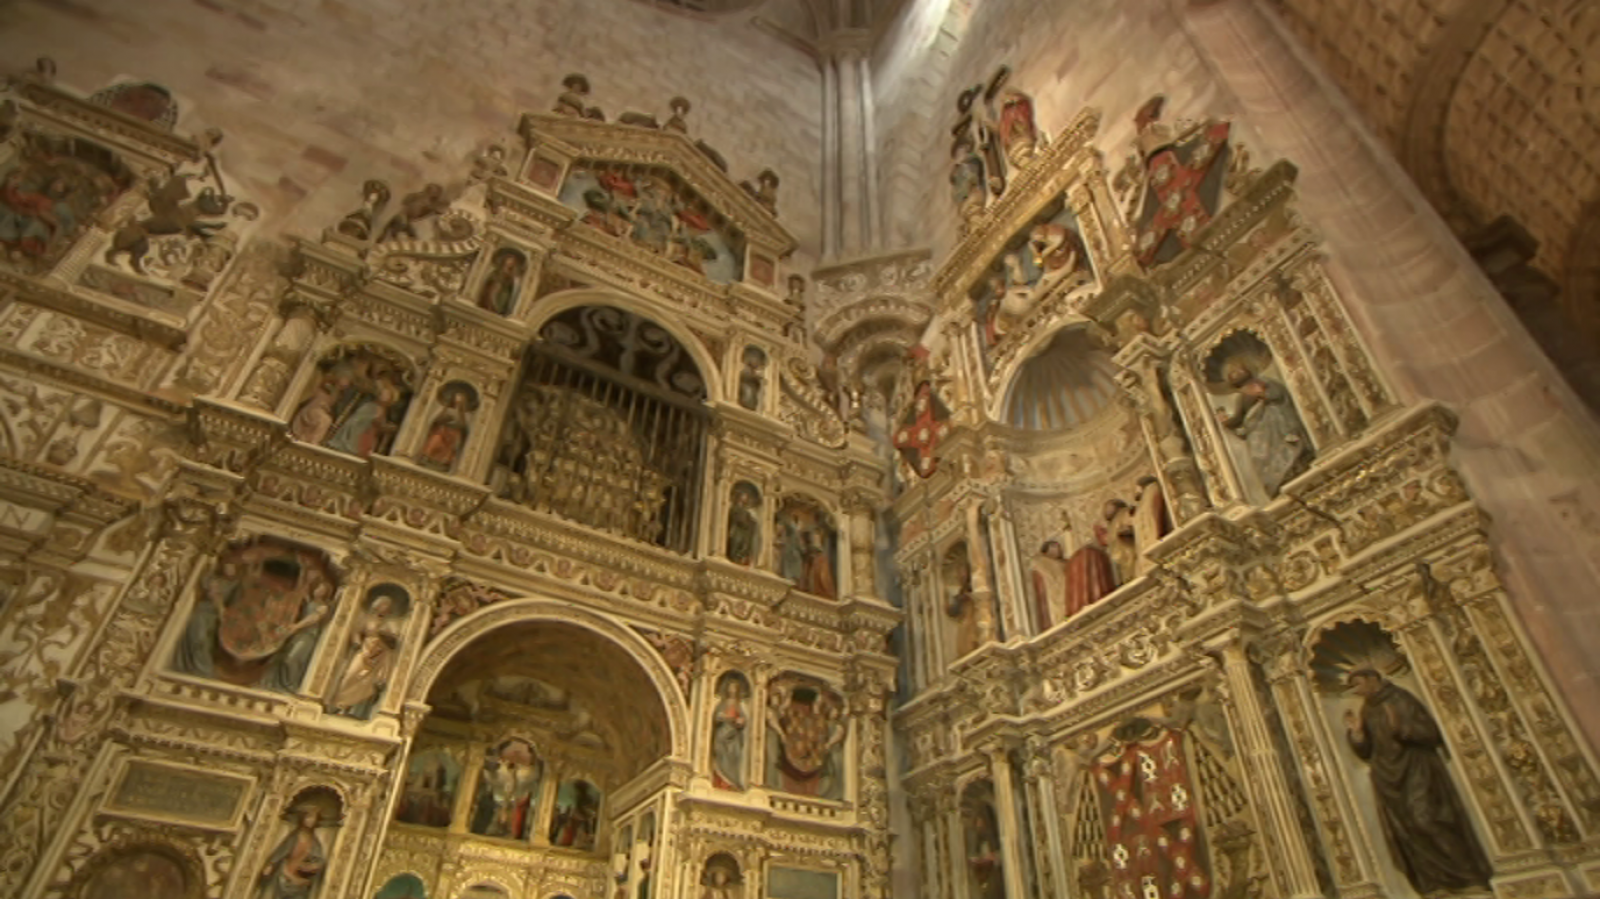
(534, 726)
(608, 428)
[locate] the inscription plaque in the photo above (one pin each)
(801, 883)
(165, 792)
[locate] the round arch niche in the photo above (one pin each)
(1065, 384)
(536, 638)
(564, 686)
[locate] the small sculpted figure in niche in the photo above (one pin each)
(1048, 571)
(1265, 418)
(297, 865)
(374, 646)
(1119, 540)
(806, 733)
(963, 607)
(448, 431)
(433, 776)
(425, 203)
(577, 815)
(498, 293)
(729, 732)
(744, 528)
(1429, 834)
(751, 378)
(1150, 520)
(676, 123)
(359, 224)
(503, 806)
(1090, 576)
(622, 862)
(982, 837)
(258, 617)
(720, 879)
(967, 189)
(795, 299)
(644, 854)
(764, 190)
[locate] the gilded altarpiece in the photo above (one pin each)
(313, 595)
(1193, 595)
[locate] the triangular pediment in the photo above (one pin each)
(683, 170)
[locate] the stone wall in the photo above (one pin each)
(316, 97)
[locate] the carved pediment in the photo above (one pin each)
(699, 185)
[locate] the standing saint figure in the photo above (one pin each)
(729, 724)
(374, 642)
(498, 293)
(1150, 519)
(1119, 537)
(1048, 572)
(448, 431)
(294, 869)
(1429, 835)
(1264, 416)
(963, 608)
(1090, 575)
(744, 530)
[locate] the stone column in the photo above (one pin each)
(1005, 801)
(278, 356)
(1175, 467)
(863, 545)
(956, 848)
(1528, 446)
(1270, 792)
(1048, 840)
(872, 205)
(848, 101)
(982, 584)
(830, 157)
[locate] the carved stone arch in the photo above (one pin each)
(837, 327)
(391, 868)
(525, 611)
(668, 319)
(475, 877)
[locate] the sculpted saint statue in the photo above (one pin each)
(1429, 835)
